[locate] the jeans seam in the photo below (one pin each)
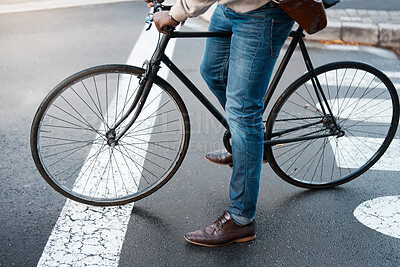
(222, 72)
(272, 37)
(254, 57)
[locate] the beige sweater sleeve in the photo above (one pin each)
(184, 9)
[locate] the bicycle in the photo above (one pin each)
(114, 134)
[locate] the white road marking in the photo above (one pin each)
(381, 214)
(339, 47)
(93, 236)
(355, 151)
(368, 81)
(380, 52)
(52, 4)
(393, 74)
(356, 109)
(351, 151)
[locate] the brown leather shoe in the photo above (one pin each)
(223, 157)
(222, 232)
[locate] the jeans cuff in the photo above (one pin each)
(240, 220)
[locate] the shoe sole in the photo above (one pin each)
(240, 240)
(227, 164)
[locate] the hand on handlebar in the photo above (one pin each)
(164, 22)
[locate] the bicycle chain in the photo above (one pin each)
(305, 118)
(312, 133)
(296, 119)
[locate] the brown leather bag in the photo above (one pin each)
(309, 14)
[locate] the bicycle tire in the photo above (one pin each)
(366, 106)
(69, 143)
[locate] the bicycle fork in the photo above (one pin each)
(145, 84)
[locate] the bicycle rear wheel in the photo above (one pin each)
(69, 143)
(365, 106)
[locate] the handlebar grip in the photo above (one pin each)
(168, 28)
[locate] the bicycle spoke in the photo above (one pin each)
(129, 169)
(136, 164)
(137, 167)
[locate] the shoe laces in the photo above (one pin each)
(220, 222)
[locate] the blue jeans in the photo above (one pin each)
(238, 70)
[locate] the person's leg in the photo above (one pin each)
(256, 41)
(214, 64)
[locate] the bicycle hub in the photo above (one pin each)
(332, 126)
(111, 135)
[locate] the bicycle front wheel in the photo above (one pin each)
(69, 136)
(365, 107)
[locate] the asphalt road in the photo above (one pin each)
(296, 227)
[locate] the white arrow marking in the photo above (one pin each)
(93, 236)
(381, 214)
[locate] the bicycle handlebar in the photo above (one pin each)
(158, 7)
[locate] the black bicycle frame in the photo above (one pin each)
(159, 56)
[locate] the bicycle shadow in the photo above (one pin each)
(150, 218)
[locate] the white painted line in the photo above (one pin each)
(355, 151)
(339, 47)
(380, 52)
(52, 4)
(393, 74)
(93, 236)
(352, 151)
(381, 214)
(356, 109)
(354, 78)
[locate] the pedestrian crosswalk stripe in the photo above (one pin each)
(357, 153)
(393, 74)
(359, 81)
